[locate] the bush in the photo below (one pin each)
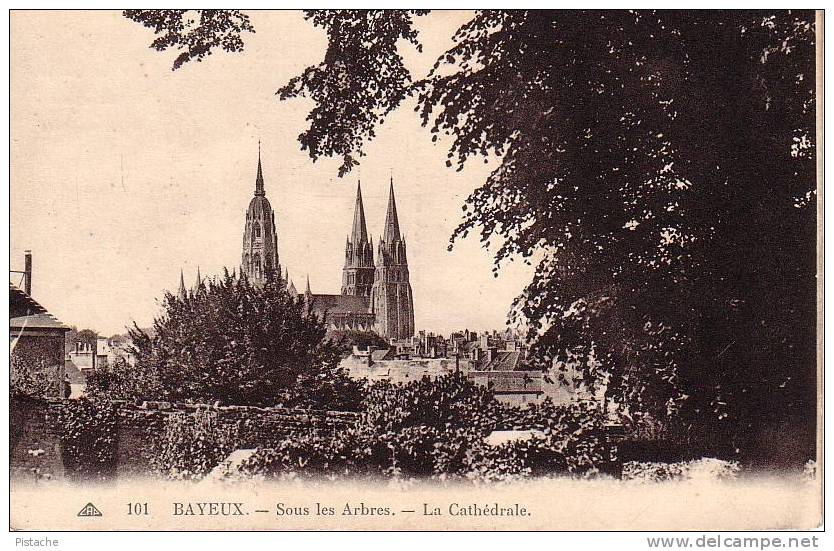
(25, 380)
(89, 438)
(700, 469)
(345, 340)
(121, 381)
(234, 341)
(447, 401)
(192, 444)
(437, 429)
(310, 455)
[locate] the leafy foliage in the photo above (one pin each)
(345, 340)
(437, 429)
(362, 72)
(239, 343)
(444, 402)
(28, 381)
(89, 438)
(198, 32)
(192, 444)
(120, 381)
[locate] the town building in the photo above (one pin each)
(88, 356)
(36, 337)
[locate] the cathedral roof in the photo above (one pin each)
(339, 304)
(392, 223)
(259, 206)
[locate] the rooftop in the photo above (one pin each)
(339, 304)
(26, 312)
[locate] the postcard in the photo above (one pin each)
(389, 270)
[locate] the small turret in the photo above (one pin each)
(182, 292)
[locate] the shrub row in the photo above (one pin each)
(427, 428)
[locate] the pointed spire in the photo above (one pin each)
(291, 290)
(259, 179)
(392, 224)
(307, 289)
(359, 233)
(182, 291)
(199, 277)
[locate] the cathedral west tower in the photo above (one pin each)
(260, 240)
(391, 298)
(358, 273)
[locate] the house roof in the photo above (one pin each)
(504, 361)
(339, 304)
(26, 312)
(377, 355)
(73, 372)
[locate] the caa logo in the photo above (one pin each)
(89, 510)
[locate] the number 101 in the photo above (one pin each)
(137, 508)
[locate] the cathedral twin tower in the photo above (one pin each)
(376, 295)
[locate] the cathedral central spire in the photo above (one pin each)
(260, 240)
(392, 224)
(259, 179)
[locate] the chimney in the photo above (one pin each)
(27, 272)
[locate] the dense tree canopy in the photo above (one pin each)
(661, 167)
(236, 342)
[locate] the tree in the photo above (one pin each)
(345, 340)
(197, 32)
(233, 341)
(661, 167)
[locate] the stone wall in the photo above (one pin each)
(35, 433)
(34, 442)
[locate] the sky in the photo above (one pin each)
(124, 172)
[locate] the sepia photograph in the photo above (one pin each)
(416, 270)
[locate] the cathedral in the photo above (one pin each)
(376, 294)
